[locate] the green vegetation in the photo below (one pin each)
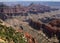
(9, 35)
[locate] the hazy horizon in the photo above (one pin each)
(28, 0)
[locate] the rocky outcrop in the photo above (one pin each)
(55, 23)
(35, 24)
(50, 28)
(3, 16)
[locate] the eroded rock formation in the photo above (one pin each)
(35, 24)
(19, 10)
(51, 28)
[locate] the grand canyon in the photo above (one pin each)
(34, 23)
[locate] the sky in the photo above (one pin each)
(26, 0)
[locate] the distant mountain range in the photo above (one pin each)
(26, 3)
